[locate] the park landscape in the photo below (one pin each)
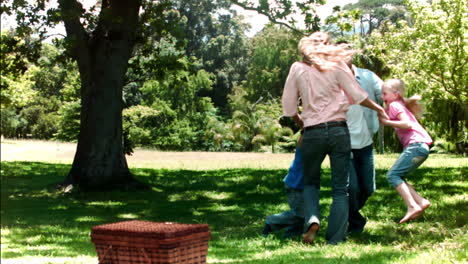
(232, 192)
(170, 111)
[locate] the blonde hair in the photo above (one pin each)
(317, 52)
(413, 103)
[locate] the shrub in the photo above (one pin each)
(69, 121)
(10, 122)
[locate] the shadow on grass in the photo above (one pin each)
(298, 257)
(37, 221)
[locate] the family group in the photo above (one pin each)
(340, 113)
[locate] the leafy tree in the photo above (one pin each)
(216, 37)
(255, 125)
(101, 41)
(270, 132)
(274, 50)
(101, 46)
(343, 20)
(217, 134)
(280, 12)
(227, 57)
(16, 53)
(374, 12)
(18, 91)
(69, 121)
(11, 122)
(41, 116)
(430, 56)
(51, 71)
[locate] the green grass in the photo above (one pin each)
(40, 225)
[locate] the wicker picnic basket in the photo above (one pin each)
(144, 242)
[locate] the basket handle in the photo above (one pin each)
(145, 255)
(101, 259)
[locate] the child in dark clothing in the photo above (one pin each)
(292, 220)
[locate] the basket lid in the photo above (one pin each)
(158, 230)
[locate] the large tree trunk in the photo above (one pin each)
(99, 160)
(102, 58)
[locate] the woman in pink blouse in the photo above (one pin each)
(326, 87)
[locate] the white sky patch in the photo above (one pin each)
(256, 20)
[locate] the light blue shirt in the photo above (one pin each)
(372, 84)
(295, 176)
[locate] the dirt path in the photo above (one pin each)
(58, 152)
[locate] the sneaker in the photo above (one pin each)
(266, 230)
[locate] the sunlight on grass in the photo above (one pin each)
(88, 219)
(455, 199)
(105, 204)
(39, 225)
(218, 196)
(49, 260)
(127, 216)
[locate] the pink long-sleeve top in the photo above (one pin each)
(411, 135)
(326, 95)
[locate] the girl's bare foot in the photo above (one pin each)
(411, 214)
(309, 236)
(424, 205)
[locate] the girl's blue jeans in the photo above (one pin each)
(317, 144)
(411, 158)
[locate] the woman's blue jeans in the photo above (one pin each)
(317, 143)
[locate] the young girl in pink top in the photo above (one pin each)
(402, 113)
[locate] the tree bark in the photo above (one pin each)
(102, 58)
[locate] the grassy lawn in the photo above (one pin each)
(39, 225)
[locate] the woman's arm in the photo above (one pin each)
(290, 95)
(374, 106)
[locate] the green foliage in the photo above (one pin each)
(185, 34)
(216, 136)
(53, 75)
(274, 50)
(373, 12)
(36, 93)
(256, 125)
(46, 127)
(162, 127)
(140, 123)
(69, 121)
(430, 56)
(17, 91)
(41, 118)
(70, 90)
(441, 146)
(282, 12)
(196, 82)
(343, 20)
(11, 123)
(219, 42)
(269, 128)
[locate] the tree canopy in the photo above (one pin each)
(183, 75)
